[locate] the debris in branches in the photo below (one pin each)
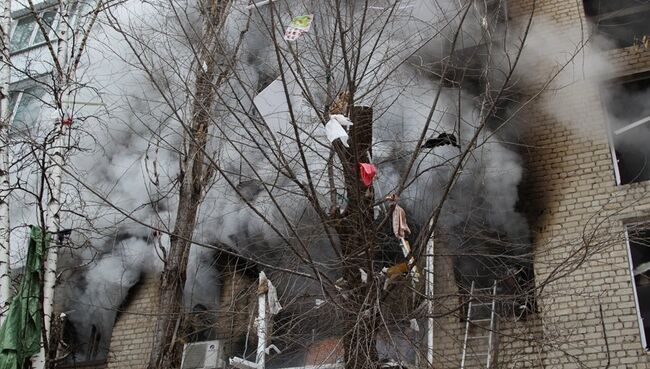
(397, 270)
(367, 172)
(67, 120)
(442, 139)
(401, 230)
(400, 227)
(414, 325)
(299, 25)
(394, 272)
(340, 105)
(364, 275)
(334, 129)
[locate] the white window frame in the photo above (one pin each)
(36, 30)
(20, 87)
(611, 133)
(637, 307)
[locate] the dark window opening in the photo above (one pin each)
(638, 237)
(629, 122)
(619, 23)
(484, 262)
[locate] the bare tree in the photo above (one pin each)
(266, 171)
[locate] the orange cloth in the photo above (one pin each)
(397, 269)
(367, 172)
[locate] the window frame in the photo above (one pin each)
(20, 87)
(598, 18)
(31, 44)
(608, 124)
(637, 307)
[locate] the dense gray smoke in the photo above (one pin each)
(127, 156)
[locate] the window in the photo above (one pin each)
(638, 241)
(27, 33)
(619, 23)
(25, 106)
(628, 112)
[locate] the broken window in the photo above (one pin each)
(629, 123)
(638, 241)
(619, 23)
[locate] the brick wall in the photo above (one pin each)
(133, 331)
(517, 339)
(576, 208)
(577, 211)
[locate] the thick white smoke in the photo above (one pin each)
(128, 150)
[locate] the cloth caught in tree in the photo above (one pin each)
(340, 105)
(441, 140)
(334, 129)
(397, 270)
(367, 172)
(400, 227)
(20, 335)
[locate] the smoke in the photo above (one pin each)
(127, 151)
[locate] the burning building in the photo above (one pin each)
(520, 127)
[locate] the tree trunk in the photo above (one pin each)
(166, 350)
(5, 76)
(357, 232)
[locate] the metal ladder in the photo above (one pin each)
(484, 359)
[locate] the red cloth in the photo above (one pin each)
(367, 172)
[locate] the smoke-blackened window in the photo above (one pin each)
(619, 23)
(629, 122)
(638, 237)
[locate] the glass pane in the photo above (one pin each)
(48, 20)
(29, 107)
(22, 33)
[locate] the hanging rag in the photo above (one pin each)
(367, 172)
(400, 227)
(334, 129)
(441, 140)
